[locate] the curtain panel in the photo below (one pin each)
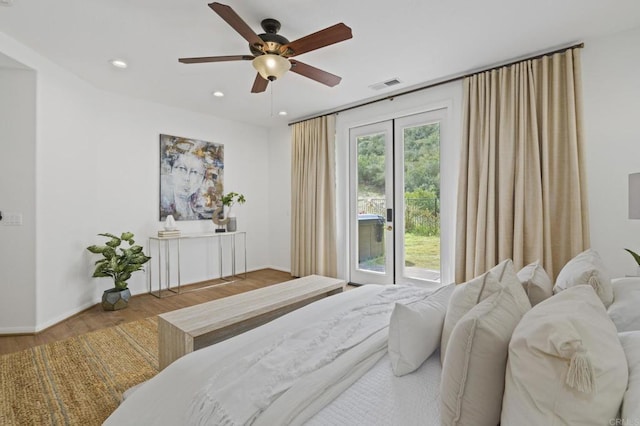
(313, 210)
(522, 187)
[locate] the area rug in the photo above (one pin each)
(78, 381)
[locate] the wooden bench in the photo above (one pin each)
(186, 330)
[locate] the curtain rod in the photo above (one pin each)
(448, 80)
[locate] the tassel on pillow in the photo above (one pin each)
(581, 376)
(594, 282)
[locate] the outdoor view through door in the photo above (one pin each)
(396, 208)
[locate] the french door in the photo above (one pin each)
(395, 200)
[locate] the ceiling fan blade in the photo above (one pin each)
(259, 84)
(236, 22)
(215, 59)
(335, 34)
(315, 73)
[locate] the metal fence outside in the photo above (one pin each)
(421, 215)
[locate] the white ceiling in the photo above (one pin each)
(416, 41)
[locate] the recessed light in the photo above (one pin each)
(282, 113)
(118, 63)
(218, 94)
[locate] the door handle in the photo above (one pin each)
(389, 228)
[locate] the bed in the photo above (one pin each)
(166, 398)
(353, 359)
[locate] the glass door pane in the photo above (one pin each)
(371, 204)
(418, 194)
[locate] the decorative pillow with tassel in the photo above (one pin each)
(586, 268)
(566, 364)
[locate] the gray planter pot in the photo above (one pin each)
(114, 299)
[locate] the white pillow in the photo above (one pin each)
(631, 403)
(625, 309)
(566, 365)
(415, 330)
(469, 294)
(536, 282)
(474, 367)
(586, 268)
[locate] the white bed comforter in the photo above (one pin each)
(278, 383)
(280, 373)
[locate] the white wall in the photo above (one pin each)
(280, 197)
(97, 162)
(17, 196)
(611, 110)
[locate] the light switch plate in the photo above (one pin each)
(11, 219)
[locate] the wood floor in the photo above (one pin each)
(140, 306)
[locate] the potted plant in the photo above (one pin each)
(118, 263)
(232, 198)
(220, 218)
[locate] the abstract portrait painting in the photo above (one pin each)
(191, 178)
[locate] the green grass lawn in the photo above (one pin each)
(422, 252)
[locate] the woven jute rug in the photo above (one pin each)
(78, 381)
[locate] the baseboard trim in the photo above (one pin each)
(50, 323)
(277, 268)
(16, 331)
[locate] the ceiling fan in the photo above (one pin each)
(270, 52)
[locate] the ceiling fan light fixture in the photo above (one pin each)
(270, 66)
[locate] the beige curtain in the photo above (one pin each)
(522, 188)
(313, 211)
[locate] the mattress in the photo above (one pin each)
(378, 397)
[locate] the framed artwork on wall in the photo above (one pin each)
(191, 178)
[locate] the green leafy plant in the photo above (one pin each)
(635, 255)
(232, 198)
(118, 262)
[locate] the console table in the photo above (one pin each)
(163, 246)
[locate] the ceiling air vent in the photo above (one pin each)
(385, 84)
